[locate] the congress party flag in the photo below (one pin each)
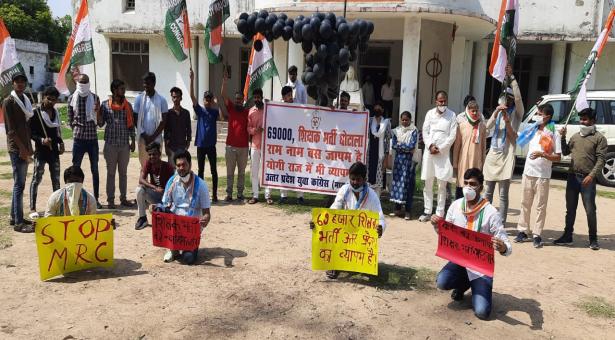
(219, 11)
(80, 50)
(177, 29)
(261, 67)
(9, 63)
(505, 44)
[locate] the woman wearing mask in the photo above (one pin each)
(469, 148)
(405, 138)
(379, 139)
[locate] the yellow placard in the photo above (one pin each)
(70, 243)
(345, 240)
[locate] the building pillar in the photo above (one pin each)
(295, 57)
(479, 71)
(280, 58)
(202, 71)
(456, 89)
(558, 60)
(410, 66)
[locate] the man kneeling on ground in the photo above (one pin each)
(186, 194)
(357, 195)
(154, 177)
(475, 213)
(72, 200)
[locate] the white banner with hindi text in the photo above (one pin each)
(310, 148)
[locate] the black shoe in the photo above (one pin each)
(565, 240)
(25, 228)
(17, 227)
(110, 206)
(283, 200)
(521, 237)
(141, 223)
(12, 222)
(241, 198)
(593, 245)
(457, 295)
(300, 201)
(127, 204)
(98, 205)
(332, 274)
(214, 199)
(538, 242)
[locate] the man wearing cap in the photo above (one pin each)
(299, 92)
(500, 160)
(206, 135)
(18, 111)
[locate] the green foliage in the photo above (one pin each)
(597, 307)
(32, 20)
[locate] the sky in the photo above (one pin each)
(60, 8)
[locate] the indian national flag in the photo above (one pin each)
(79, 50)
(260, 69)
(580, 88)
(9, 64)
(505, 43)
(219, 11)
(177, 29)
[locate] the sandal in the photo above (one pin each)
(269, 201)
(253, 200)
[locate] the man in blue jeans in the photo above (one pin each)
(475, 213)
(18, 111)
(83, 107)
(587, 149)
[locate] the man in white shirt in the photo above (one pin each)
(387, 93)
(149, 107)
(544, 148)
(299, 92)
(368, 93)
(439, 133)
(464, 212)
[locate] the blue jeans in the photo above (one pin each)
(588, 195)
(20, 170)
(80, 148)
(454, 276)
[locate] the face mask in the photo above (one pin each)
(358, 189)
(538, 119)
(587, 130)
(442, 109)
(469, 193)
(185, 179)
(83, 88)
(73, 190)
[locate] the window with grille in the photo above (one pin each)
(129, 62)
(129, 5)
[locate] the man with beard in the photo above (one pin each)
(298, 90)
(116, 115)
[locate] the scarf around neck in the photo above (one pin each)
(25, 105)
(124, 106)
(471, 215)
(547, 136)
(404, 134)
(155, 99)
(55, 123)
(474, 120)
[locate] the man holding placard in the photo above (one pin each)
(474, 213)
(186, 194)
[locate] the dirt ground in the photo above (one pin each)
(253, 281)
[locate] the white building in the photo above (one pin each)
(34, 57)
(411, 38)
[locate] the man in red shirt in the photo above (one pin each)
(152, 182)
(236, 142)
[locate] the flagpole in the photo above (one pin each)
(339, 81)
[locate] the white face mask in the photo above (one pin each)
(83, 88)
(587, 130)
(538, 119)
(469, 193)
(442, 109)
(185, 179)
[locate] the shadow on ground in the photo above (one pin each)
(206, 255)
(393, 277)
(121, 268)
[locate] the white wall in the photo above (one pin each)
(34, 54)
(604, 74)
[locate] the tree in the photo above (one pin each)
(32, 20)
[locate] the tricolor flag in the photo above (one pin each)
(261, 67)
(9, 64)
(79, 50)
(580, 89)
(219, 11)
(177, 29)
(505, 43)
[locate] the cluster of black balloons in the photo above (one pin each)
(330, 43)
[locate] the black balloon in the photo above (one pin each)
(306, 46)
(353, 55)
(333, 49)
(354, 28)
(370, 27)
(297, 26)
(362, 28)
(251, 20)
(296, 38)
(258, 45)
(319, 69)
(310, 78)
(243, 16)
(312, 91)
(306, 32)
(277, 29)
(263, 13)
(321, 16)
(345, 67)
(325, 29)
(339, 21)
(321, 53)
(287, 33)
(309, 60)
(271, 20)
(331, 17)
(290, 22)
(300, 17)
(343, 30)
(315, 24)
(308, 69)
(260, 26)
(242, 26)
(269, 36)
(344, 55)
(283, 16)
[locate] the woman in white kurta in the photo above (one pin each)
(439, 132)
(379, 141)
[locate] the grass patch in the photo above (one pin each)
(5, 163)
(4, 153)
(597, 307)
(392, 277)
(599, 193)
(6, 175)
(5, 193)
(66, 131)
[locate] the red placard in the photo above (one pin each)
(466, 248)
(175, 232)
